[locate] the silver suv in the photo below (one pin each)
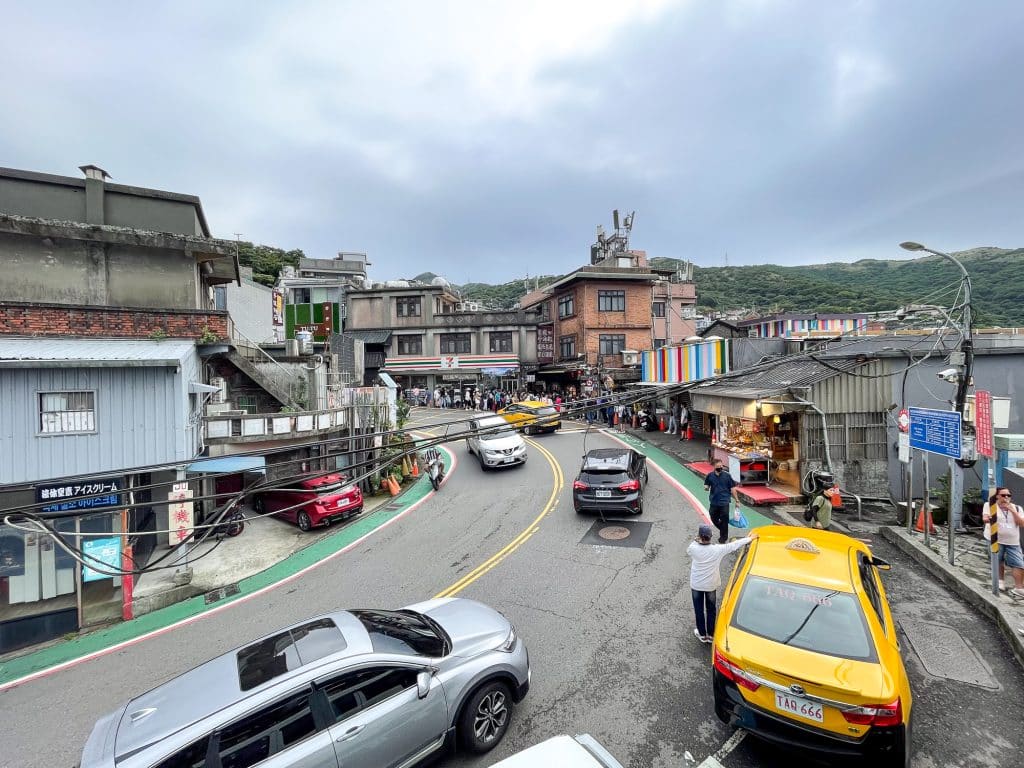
(495, 442)
(356, 689)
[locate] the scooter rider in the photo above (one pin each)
(431, 458)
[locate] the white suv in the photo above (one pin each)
(495, 443)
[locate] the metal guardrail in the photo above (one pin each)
(277, 374)
(287, 425)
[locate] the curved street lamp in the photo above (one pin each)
(967, 367)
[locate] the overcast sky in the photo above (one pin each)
(485, 141)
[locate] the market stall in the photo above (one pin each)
(755, 449)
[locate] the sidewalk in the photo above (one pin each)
(215, 565)
(970, 576)
(237, 570)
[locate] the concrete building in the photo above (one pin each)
(107, 315)
(251, 306)
(429, 337)
(792, 325)
(314, 294)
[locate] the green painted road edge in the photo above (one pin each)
(672, 466)
(126, 631)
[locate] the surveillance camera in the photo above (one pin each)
(949, 374)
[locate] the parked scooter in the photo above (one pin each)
(231, 525)
(647, 422)
(434, 466)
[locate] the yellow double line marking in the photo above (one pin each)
(512, 546)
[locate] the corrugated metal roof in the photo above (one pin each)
(33, 352)
(371, 337)
(787, 374)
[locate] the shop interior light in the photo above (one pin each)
(757, 404)
(777, 419)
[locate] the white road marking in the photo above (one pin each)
(715, 760)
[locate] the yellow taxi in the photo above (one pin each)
(533, 416)
(805, 650)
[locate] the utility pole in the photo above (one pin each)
(964, 361)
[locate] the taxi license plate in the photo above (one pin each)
(794, 705)
(603, 494)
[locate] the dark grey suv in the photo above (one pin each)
(356, 689)
(611, 480)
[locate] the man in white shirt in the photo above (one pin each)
(706, 578)
(1010, 519)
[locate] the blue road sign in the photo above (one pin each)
(936, 432)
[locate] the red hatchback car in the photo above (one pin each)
(312, 502)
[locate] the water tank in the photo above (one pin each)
(441, 282)
(305, 340)
(396, 284)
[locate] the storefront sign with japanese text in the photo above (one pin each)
(80, 494)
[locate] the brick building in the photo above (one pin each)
(587, 319)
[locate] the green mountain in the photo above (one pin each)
(870, 285)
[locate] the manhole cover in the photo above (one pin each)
(617, 533)
(945, 653)
(220, 593)
(613, 532)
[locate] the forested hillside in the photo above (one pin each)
(863, 286)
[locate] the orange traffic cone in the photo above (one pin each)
(415, 468)
(919, 525)
(689, 432)
(615, 418)
(661, 424)
(393, 485)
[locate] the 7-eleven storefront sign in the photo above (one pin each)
(474, 363)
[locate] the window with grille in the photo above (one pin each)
(408, 306)
(567, 346)
(851, 436)
(410, 345)
(456, 344)
(64, 413)
(566, 306)
(246, 403)
(658, 309)
(501, 341)
(611, 301)
(612, 344)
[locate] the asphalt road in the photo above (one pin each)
(609, 629)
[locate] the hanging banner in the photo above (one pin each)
(983, 422)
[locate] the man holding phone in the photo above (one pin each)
(722, 492)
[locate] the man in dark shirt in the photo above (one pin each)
(721, 487)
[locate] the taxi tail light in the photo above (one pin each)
(630, 485)
(579, 485)
(883, 714)
(734, 673)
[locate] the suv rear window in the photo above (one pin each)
(819, 620)
(275, 655)
(599, 476)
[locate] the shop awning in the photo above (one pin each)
(228, 465)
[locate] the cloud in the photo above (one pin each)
(486, 140)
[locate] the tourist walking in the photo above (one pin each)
(722, 493)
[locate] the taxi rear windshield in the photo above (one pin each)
(546, 411)
(820, 620)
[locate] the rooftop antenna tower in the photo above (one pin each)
(610, 245)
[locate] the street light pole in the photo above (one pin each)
(966, 366)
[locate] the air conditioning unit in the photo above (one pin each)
(630, 357)
(222, 385)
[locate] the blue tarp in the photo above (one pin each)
(228, 464)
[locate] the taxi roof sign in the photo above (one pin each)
(803, 545)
